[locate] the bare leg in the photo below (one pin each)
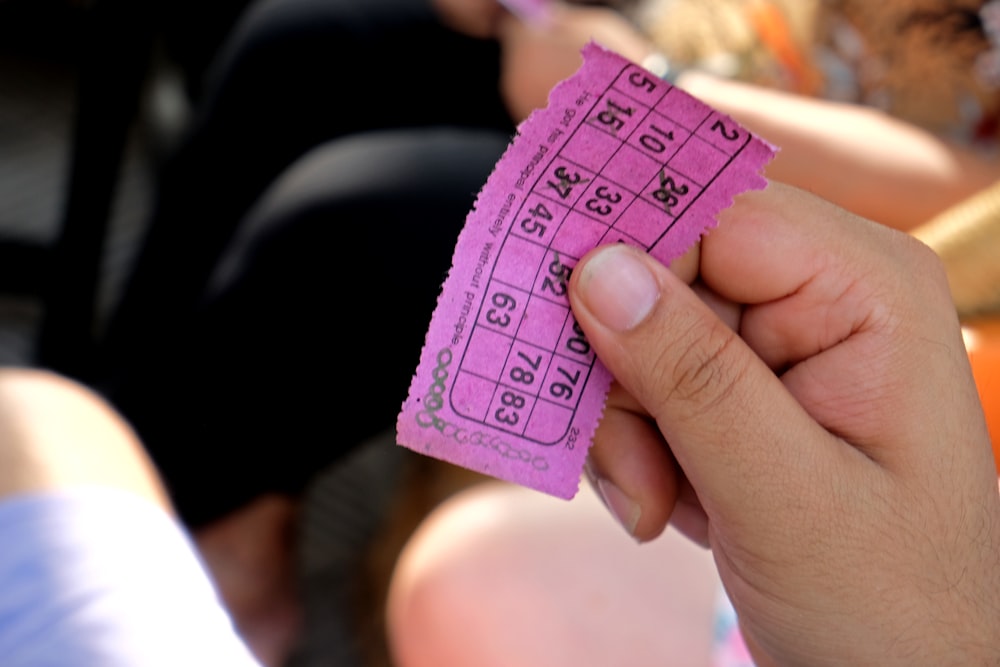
(501, 575)
(55, 433)
(86, 542)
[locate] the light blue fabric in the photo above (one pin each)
(94, 577)
(728, 647)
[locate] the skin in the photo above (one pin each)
(816, 424)
(55, 434)
(501, 575)
(476, 18)
(826, 147)
(805, 409)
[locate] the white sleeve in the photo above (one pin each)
(102, 578)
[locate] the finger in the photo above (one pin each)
(655, 488)
(820, 301)
(728, 311)
(685, 267)
(630, 443)
(731, 425)
(717, 403)
(782, 242)
(689, 517)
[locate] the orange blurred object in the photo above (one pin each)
(772, 28)
(982, 341)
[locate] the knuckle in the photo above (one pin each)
(924, 263)
(705, 373)
(927, 288)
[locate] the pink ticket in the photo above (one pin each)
(507, 384)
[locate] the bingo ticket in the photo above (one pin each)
(507, 384)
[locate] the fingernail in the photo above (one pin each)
(618, 288)
(625, 511)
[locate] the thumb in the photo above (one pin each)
(731, 424)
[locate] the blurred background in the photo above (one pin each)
(92, 97)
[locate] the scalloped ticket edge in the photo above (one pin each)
(506, 384)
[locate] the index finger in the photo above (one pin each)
(825, 291)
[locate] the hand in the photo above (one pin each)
(476, 18)
(536, 58)
(817, 425)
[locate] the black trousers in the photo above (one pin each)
(300, 235)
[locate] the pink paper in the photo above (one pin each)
(507, 384)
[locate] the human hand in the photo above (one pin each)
(537, 57)
(476, 18)
(812, 417)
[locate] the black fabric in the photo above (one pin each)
(295, 74)
(314, 321)
(262, 336)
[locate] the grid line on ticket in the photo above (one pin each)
(534, 371)
(507, 383)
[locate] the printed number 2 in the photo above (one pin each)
(729, 135)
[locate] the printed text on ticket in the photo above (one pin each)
(507, 384)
